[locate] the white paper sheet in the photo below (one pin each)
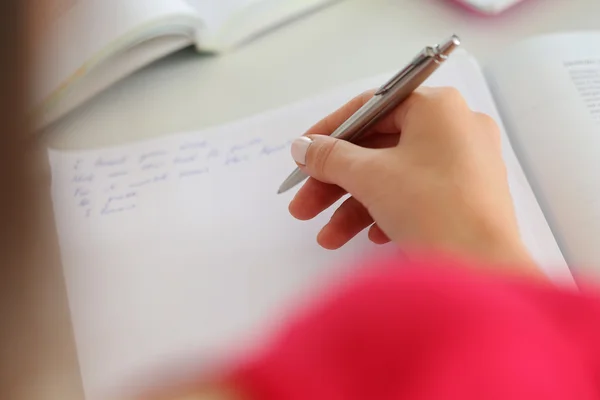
(180, 249)
(548, 89)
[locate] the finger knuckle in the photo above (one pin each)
(490, 126)
(438, 100)
(362, 98)
(322, 155)
(449, 97)
(333, 120)
(367, 95)
(487, 121)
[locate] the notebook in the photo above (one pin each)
(177, 251)
(88, 45)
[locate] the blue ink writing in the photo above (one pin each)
(111, 162)
(118, 204)
(115, 210)
(268, 150)
(81, 192)
(157, 178)
(117, 174)
(234, 159)
(244, 146)
(77, 164)
(80, 178)
(193, 145)
(152, 154)
(185, 160)
(214, 153)
(152, 166)
(185, 174)
(84, 203)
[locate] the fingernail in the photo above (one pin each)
(299, 148)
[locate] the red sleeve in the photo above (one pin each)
(433, 330)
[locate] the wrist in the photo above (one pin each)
(505, 257)
(496, 255)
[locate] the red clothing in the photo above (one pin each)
(433, 330)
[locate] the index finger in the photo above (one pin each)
(330, 123)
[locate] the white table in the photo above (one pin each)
(349, 40)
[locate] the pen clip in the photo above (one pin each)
(426, 54)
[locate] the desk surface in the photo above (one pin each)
(349, 40)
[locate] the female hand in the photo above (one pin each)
(428, 176)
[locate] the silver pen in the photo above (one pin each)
(387, 98)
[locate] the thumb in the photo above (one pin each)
(333, 161)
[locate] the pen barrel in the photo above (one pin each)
(380, 105)
(446, 48)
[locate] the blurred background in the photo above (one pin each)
(344, 41)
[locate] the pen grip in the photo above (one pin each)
(381, 105)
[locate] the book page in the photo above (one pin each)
(228, 23)
(548, 90)
(178, 250)
(585, 74)
(103, 76)
(216, 12)
(80, 35)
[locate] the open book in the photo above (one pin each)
(90, 44)
(178, 251)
